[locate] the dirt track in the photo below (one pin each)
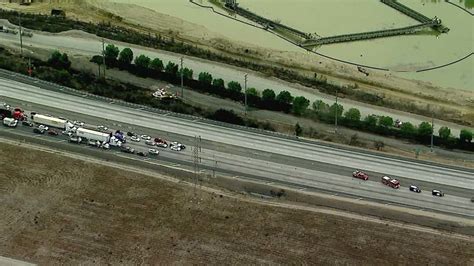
(58, 210)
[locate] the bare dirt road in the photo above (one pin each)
(61, 210)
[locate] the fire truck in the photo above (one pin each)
(391, 182)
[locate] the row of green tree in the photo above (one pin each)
(57, 69)
(144, 66)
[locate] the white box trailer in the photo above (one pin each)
(93, 135)
(51, 121)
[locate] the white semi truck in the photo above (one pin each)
(52, 121)
(92, 135)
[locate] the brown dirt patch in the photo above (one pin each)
(59, 210)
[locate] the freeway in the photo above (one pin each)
(270, 158)
(88, 45)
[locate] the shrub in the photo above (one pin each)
(126, 57)
(425, 130)
(206, 78)
(444, 133)
(157, 65)
(300, 104)
(408, 130)
(234, 86)
(465, 136)
(218, 83)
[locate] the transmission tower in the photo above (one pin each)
(196, 160)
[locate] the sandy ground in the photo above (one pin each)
(61, 210)
(396, 89)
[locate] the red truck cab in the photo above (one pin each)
(18, 114)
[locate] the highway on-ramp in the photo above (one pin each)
(271, 158)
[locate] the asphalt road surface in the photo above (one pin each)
(90, 45)
(249, 154)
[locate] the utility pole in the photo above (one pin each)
(245, 93)
(103, 57)
(29, 66)
(432, 130)
(21, 35)
(182, 78)
(337, 111)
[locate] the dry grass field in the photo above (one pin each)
(60, 210)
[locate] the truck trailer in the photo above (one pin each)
(92, 135)
(51, 121)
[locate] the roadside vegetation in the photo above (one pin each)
(282, 102)
(157, 41)
(58, 70)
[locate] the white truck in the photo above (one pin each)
(92, 135)
(10, 122)
(52, 121)
(115, 142)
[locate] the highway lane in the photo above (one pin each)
(92, 45)
(355, 160)
(297, 176)
(251, 154)
(266, 167)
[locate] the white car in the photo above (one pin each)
(78, 123)
(42, 127)
(135, 138)
(175, 146)
(102, 128)
(150, 142)
(153, 151)
(145, 137)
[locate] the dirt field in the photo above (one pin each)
(59, 210)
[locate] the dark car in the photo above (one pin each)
(437, 193)
(140, 153)
(415, 189)
(53, 133)
(28, 123)
(130, 134)
(38, 131)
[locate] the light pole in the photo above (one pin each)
(335, 118)
(21, 35)
(245, 93)
(182, 79)
(103, 57)
(432, 130)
